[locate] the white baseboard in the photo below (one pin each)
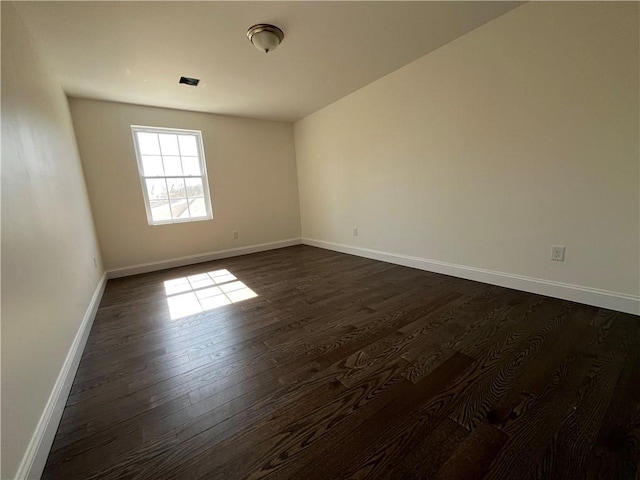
(576, 293)
(199, 258)
(35, 457)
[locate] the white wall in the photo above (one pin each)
(48, 239)
(519, 135)
(252, 180)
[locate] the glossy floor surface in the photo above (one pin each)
(302, 363)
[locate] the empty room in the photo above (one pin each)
(320, 240)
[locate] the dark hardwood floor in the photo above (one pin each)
(321, 365)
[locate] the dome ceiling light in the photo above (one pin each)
(265, 37)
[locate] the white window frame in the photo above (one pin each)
(203, 169)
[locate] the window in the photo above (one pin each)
(173, 174)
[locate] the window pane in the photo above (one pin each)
(176, 187)
(152, 166)
(169, 144)
(172, 166)
(148, 143)
(156, 189)
(194, 187)
(160, 210)
(188, 145)
(179, 208)
(197, 207)
(191, 165)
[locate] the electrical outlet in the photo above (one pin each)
(557, 253)
(235, 235)
(355, 231)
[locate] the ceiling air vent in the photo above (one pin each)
(189, 81)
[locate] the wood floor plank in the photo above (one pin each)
(587, 429)
(567, 452)
(472, 458)
(346, 367)
(338, 455)
(430, 453)
(293, 434)
(547, 360)
(533, 425)
(495, 382)
(473, 327)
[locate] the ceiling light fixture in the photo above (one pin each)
(265, 37)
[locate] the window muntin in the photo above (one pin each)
(172, 174)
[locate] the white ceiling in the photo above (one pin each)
(135, 52)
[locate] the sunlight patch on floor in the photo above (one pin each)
(205, 291)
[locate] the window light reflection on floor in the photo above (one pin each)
(205, 291)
